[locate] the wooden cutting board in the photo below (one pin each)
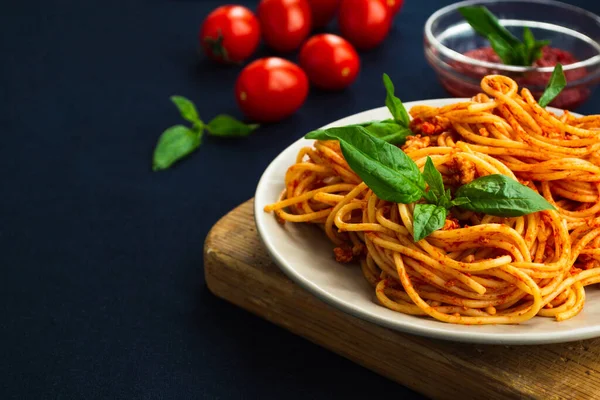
(239, 270)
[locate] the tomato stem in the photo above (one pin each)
(216, 46)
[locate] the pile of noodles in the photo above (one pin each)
(478, 269)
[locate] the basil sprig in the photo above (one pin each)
(369, 148)
(501, 196)
(379, 164)
(510, 49)
(394, 131)
(178, 141)
(394, 104)
(434, 180)
(428, 218)
(393, 176)
(557, 83)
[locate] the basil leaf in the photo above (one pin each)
(394, 104)
(319, 134)
(508, 47)
(533, 47)
(428, 218)
(444, 200)
(557, 83)
(388, 130)
(431, 198)
(459, 201)
(175, 143)
(433, 178)
(226, 126)
(528, 38)
(386, 169)
(187, 109)
(501, 196)
(508, 54)
(485, 23)
(535, 53)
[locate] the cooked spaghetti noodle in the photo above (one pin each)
(478, 269)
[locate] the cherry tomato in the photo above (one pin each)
(329, 61)
(394, 5)
(270, 89)
(230, 34)
(285, 24)
(365, 23)
(322, 11)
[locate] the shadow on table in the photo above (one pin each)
(263, 350)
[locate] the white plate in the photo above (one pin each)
(305, 254)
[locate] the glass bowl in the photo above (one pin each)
(448, 36)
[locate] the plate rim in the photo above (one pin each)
(475, 337)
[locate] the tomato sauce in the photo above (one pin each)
(568, 99)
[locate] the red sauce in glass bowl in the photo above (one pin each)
(550, 56)
(568, 99)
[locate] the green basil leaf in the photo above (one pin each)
(175, 143)
(388, 130)
(427, 218)
(187, 109)
(485, 23)
(227, 126)
(386, 169)
(318, 134)
(433, 178)
(508, 47)
(394, 104)
(557, 83)
(532, 46)
(528, 38)
(501, 196)
(444, 200)
(459, 201)
(321, 134)
(535, 53)
(510, 55)
(431, 198)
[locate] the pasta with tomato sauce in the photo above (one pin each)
(478, 268)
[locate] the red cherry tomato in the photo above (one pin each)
(230, 34)
(322, 11)
(284, 23)
(394, 5)
(365, 23)
(329, 61)
(270, 89)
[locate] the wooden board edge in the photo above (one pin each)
(418, 376)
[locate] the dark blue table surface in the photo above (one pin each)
(102, 288)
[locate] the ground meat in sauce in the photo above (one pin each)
(359, 249)
(433, 126)
(523, 181)
(464, 170)
(343, 254)
(587, 262)
(451, 223)
(416, 142)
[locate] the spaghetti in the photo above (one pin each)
(478, 269)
